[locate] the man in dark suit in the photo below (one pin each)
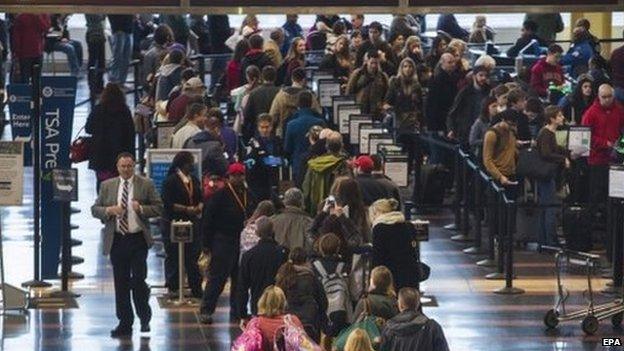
(124, 205)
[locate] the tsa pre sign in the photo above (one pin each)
(57, 114)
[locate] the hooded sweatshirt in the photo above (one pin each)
(412, 330)
(607, 125)
(319, 177)
(168, 78)
(542, 74)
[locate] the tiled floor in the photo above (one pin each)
(472, 316)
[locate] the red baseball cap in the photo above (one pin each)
(236, 168)
(365, 163)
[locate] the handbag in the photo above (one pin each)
(80, 148)
(251, 339)
(291, 337)
(532, 165)
(367, 322)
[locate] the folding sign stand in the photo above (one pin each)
(13, 298)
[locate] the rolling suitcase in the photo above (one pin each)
(577, 228)
(528, 215)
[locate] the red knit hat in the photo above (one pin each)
(365, 163)
(236, 168)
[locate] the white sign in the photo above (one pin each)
(337, 101)
(396, 169)
(327, 88)
(354, 127)
(11, 173)
(344, 111)
(365, 131)
(376, 139)
(616, 182)
(579, 140)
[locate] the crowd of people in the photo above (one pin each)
(311, 234)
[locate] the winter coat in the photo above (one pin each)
(465, 111)
(617, 67)
(351, 237)
(213, 161)
(369, 90)
(295, 141)
(442, 92)
(448, 24)
(285, 105)
(477, 133)
(253, 57)
(607, 125)
(306, 299)
(169, 76)
(524, 41)
(219, 30)
(548, 24)
(223, 219)
(407, 101)
(394, 247)
(261, 177)
(291, 227)
(319, 178)
(573, 109)
(27, 35)
(381, 305)
(542, 74)
(112, 133)
(523, 132)
(258, 102)
(374, 189)
(330, 64)
(258, 267)
(578, 57)
(412, 330)
(151, 62)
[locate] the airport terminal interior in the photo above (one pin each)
(385, 175)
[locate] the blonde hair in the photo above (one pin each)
(382, 281)
(458, 44)
(382, 206)
(358, 340)
(272, 302)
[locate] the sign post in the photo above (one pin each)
(11, 193)
(65, 190)
(181, 233)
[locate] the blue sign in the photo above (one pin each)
(57, 115)
(20, 97)
(159, 161)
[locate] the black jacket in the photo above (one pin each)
(465, 110)
(223, 217)
(112, 133)
(219, 30)
(258, 268)
(442, 92)
(262, 177)
(524, 41)
(330, 64)
(254, 58)
(373, 189)
(521, 120)
(258, 102)
(411, 330)
(306, 299)
(393, 248)
(174, 192)
(121, 23)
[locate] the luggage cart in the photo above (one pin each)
(591, 315)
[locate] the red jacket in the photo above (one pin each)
(233, 77)
(543, 73)
(177, 110)
(607, 124)
(28, 35)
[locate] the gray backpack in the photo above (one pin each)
(336, 289)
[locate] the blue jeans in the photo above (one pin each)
(547, 221)
(121, 45)
(73, 50)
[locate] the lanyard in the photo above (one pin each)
(241, 204)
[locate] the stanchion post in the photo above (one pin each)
(201, 67)
(477, 212)
(66, 256)
(490, 202)
(91, 77)
(501, 228)
(456, 202)
(618, 242)
(509, 289)
(36, 136)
